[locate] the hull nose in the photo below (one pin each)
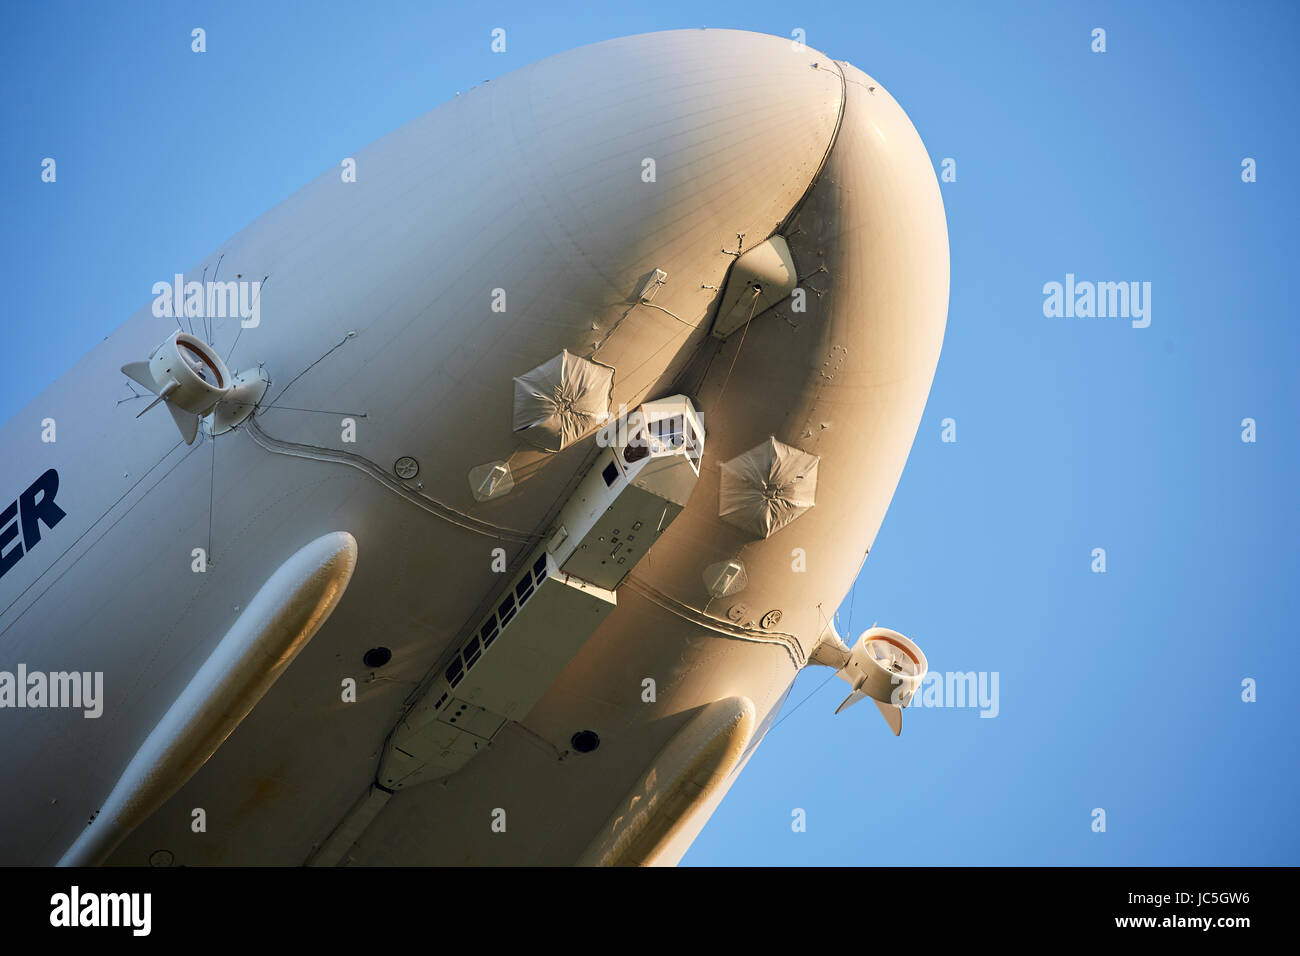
(671, 132)
(830, 383)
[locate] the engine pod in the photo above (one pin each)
(201, 377)
(885, 666)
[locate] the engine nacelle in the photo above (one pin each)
(189, 372)
(189, 377)
(887, 667)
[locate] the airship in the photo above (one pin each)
(480, 502)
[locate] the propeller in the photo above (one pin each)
(887, 667)
(189, 377)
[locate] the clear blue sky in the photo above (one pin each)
(1119, 690)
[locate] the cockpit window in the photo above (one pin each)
(670, 433)
(693, 446)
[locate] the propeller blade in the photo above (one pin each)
(849, 701)
(893, 716)
(187, 422)
(138, 372)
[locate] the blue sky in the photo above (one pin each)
(1119, 691)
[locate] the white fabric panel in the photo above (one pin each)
(561, 400)
(767, 487)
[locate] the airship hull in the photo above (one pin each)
(514, 224)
